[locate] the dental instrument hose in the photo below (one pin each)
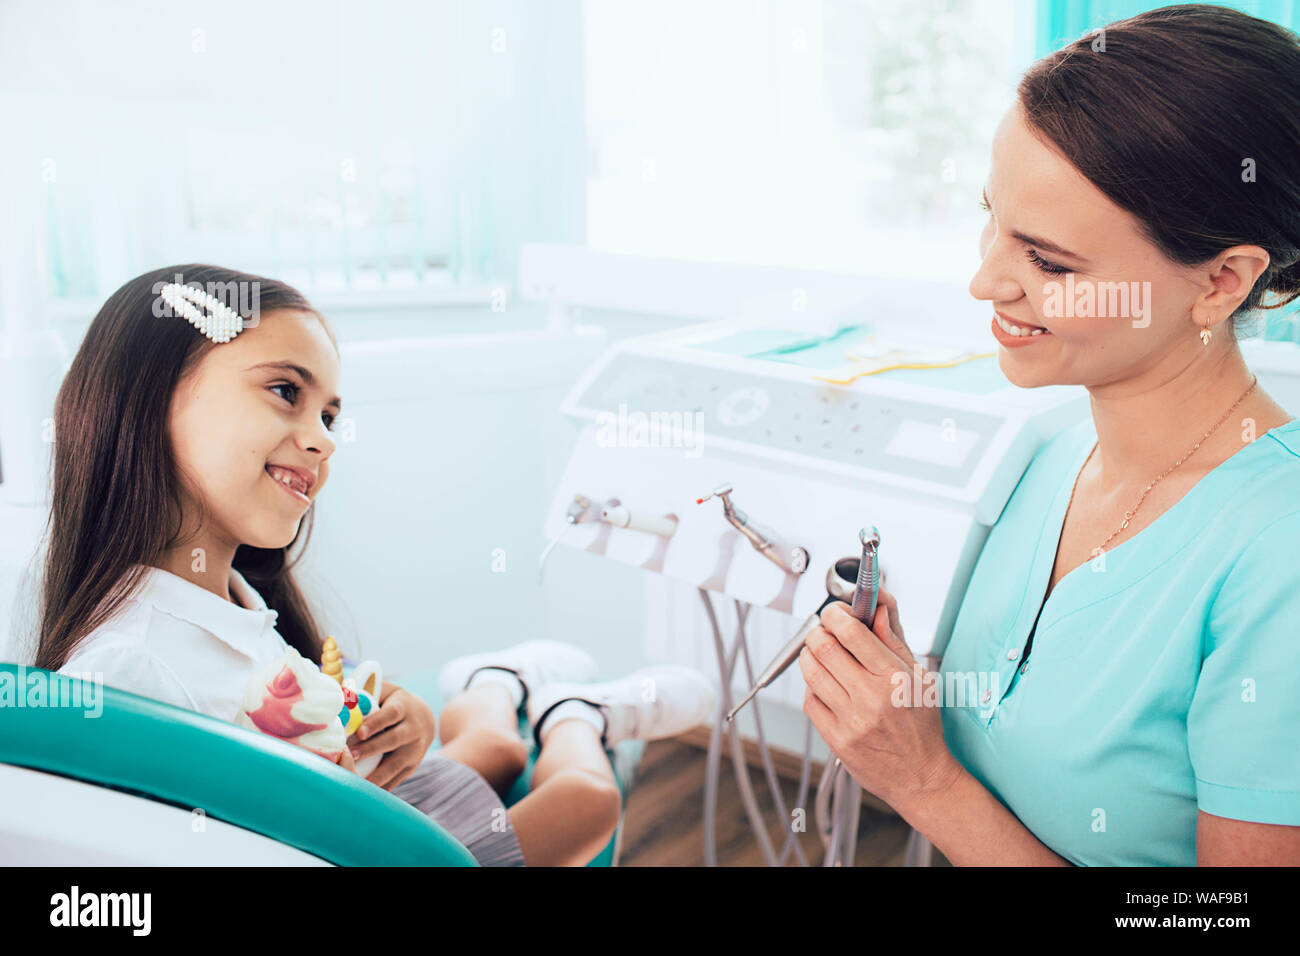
(737, 748)
(836, 787)
(740, 647)
(769, 771)
(572, 515)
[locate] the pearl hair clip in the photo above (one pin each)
(215, 319)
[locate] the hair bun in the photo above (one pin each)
(1285, 284)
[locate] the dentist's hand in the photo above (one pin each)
(402, 728)
(855, 700)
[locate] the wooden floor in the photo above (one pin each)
(663, 819)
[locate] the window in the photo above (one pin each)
(842, 135)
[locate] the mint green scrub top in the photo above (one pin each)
(1162, 679)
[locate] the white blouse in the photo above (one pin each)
(179, 643)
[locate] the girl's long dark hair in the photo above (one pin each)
(115, 490)
(1188, 117)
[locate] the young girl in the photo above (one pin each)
(187, 454)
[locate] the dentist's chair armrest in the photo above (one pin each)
(232, 774)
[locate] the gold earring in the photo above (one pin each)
(1205, 335)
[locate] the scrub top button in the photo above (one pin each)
(987, 695)
(1012, 654)
(1024, 667)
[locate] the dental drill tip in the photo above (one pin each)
(748, 697)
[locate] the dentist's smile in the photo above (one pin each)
(1014, 335)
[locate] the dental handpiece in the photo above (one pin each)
(790, 558)
(867, 592)
(852, 580)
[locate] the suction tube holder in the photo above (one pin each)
(618, 515)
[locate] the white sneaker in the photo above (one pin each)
(648, 704)
(534, 662)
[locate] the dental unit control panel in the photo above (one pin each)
(929, 456)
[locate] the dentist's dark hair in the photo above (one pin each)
(115, 488)
(1168, 113)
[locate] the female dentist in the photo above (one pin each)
(1133, 622)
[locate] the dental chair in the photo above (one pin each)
(146, 783)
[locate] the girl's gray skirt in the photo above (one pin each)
(466, 806)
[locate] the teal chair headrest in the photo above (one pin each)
(198, 762)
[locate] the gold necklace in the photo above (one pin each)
(1128, 515)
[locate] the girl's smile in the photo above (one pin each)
(296, 481)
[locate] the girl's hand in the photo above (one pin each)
(346, 761)
(402, 728)
(886, 738)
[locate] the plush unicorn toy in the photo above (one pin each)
(360, 695)
(314, 708)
